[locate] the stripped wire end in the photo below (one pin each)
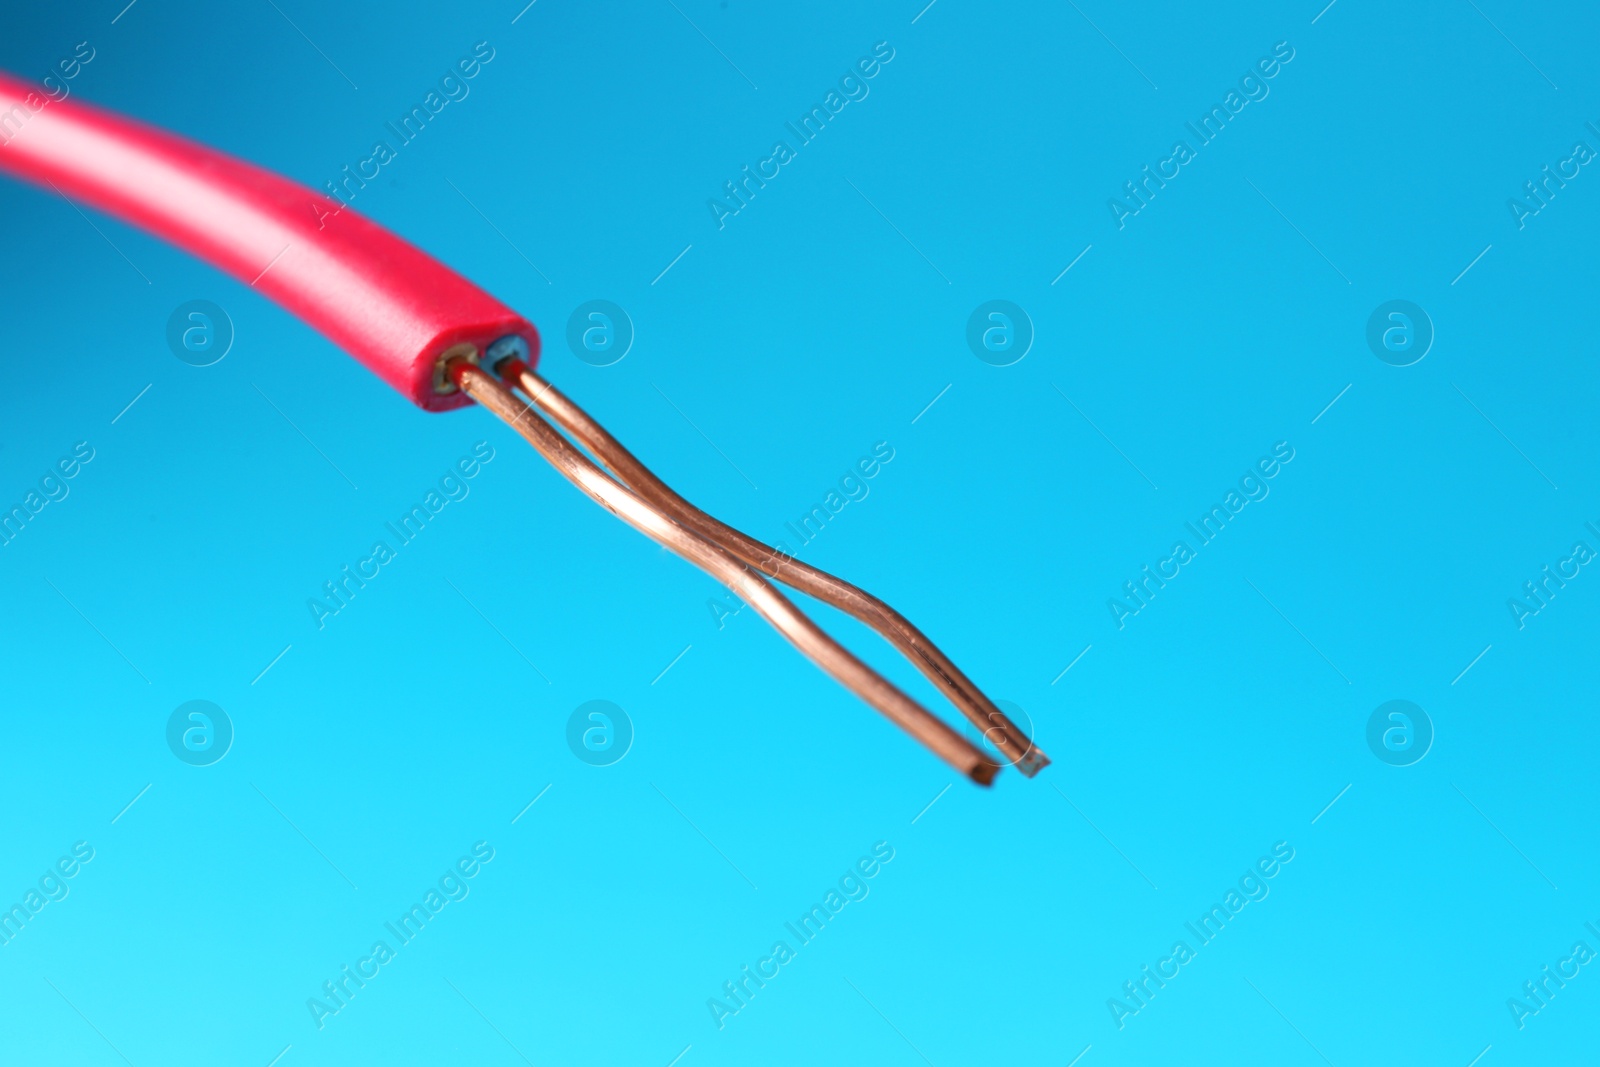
(628, 489)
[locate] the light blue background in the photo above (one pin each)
(795, 338)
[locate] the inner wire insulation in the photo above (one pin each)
(657, 524)
(997, 728)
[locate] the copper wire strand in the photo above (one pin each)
(650, 520)
(1000, 731)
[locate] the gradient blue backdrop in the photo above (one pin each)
(773, 354)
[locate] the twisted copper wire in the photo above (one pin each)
(656, 523)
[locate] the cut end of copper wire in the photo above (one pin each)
(628, 489)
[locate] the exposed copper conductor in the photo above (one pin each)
(635, 495)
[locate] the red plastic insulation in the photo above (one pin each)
(390, 305)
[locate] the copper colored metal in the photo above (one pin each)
(657, 524)
(1000, 731)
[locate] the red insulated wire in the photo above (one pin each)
(390, 305)
(420, 326)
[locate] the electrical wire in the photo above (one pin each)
(431, 334)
